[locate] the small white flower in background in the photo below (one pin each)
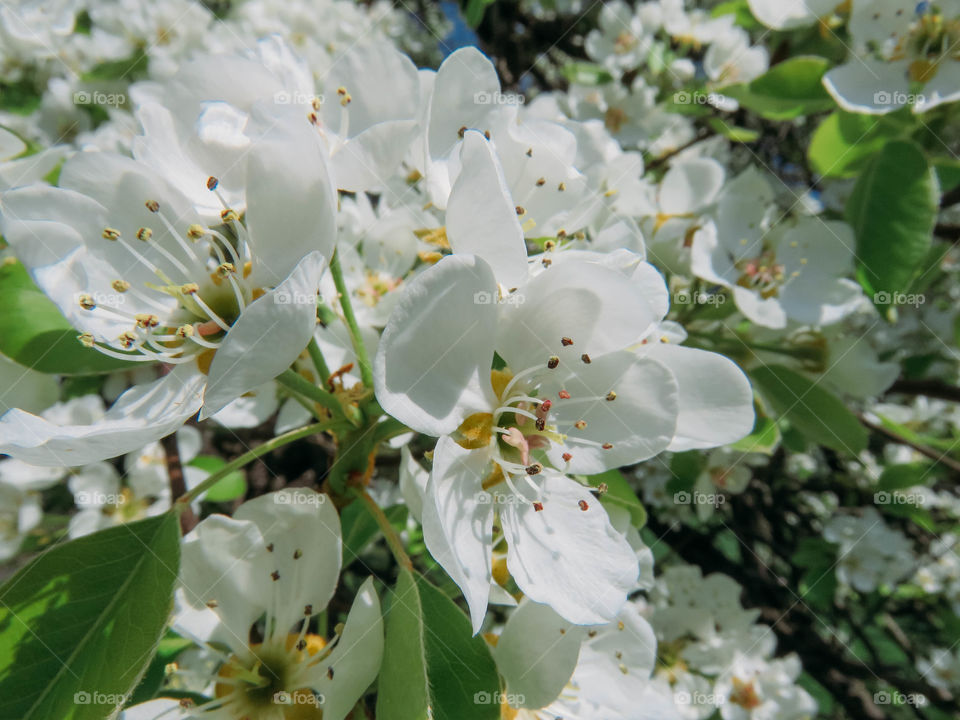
(278, 557)
(753, 689)
(941, 668)
(870, 553)
(905, 57)
(790, 14)
(620, 42)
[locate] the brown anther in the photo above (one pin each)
(553, 362)
(546, 405)
(185, 331)
(226, 269)
(486, 134)
(541, 424)
(345, 100)
(270, 547)
(297, 554)
(561, 234)
(120, 286)
(563, 395)
(611, 396)
(462, 131)
(607, 446)
(520, 210)
(212, 604)
(312, 118)
(212, 183)
(152, 205)
(586, 359)
(538, 506)
(534, 469)
(583, 505)
(144, 234)
(111, 234)
(229, 215)
(529, 152)
(330, 672)
(196, 231)
(541, 182)
(275, 575)
(301, 645)
(127, 339)
(580, 424)
(186, 703)
(341, 91)
(308, 609)
(86, 302)
(561, 187)
(146, 320)
(549, 245)
(602, 489)
(567, 457)
(566, 342)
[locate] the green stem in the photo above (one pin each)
(363, 360)
(389, 534)
(318, 361)
(248, 457)
(297, 383)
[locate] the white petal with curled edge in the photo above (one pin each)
(141, 415)
(432, 368)
(690, 185)
(568, 557)
(301, 530)
(347, 672)
(537, 653)
(715, 399)
(481, 215)
(223, 570)
(599, 308)
(638, 421)
(458, 522)
(291, 203)
(267, 337)
(871, 87)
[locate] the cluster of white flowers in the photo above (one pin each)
(271, 217)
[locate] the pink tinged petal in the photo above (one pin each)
(537, 653)
(599, 308)
(432, 367)
(621, 409)
(267, 337)
(567, 555)
(715, 400)
(458, 522)
(481, 215)
(143, 414)
(301, 530)
(348, 671)
(291, 203)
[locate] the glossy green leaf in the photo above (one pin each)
(892, 210)
(813, 411)
(34, 333)
(81, 622)
(845, 142)
(360, 527)
(433, 667)
(620, 493)
(229, 488)
(787, 90)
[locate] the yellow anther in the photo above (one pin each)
(120, 285)
(111, 234)
(86, 339)
(196, 231)
(190, 289)
(144, 234)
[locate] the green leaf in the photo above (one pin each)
(685, 468)
(818, 583)
(904, 475)
(731, 132)
(585, 73)
(844, 142)
(433, 667)
(740, 9)
(360, 528)
(231, 487)
(34, 333)
(948, 173)
(787, 90)
(152, 680)
(475, 11)
(620, 493)
(893, 209)
(82, 620)
(816, 413)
